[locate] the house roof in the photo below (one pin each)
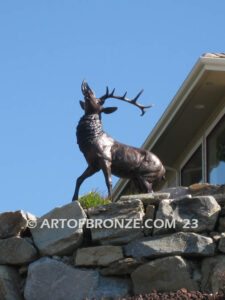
(214, 55)
(200, 94)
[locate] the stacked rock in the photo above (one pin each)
(164, 241)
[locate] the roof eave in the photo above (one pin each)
(202, 64)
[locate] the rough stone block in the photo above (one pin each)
(213, 274)
(51, 279)
(204, 189)
(216, 236)
(12, 223)
(164, 275)
(220, 198)
(177, 192)
(147, 199)
(222, 213)
(110, 232)
(121, 267)
(98, 256)
(221, 227)
(112, 288)
(149, 219)
(197, 214)
(16, 251)
(53, 236)
(31, 217)
(184, 244)
(221, 246)
(10, 283)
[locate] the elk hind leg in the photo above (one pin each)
(148, 186)
(143, 185)
(87, 173)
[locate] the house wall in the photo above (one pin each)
(198, 139)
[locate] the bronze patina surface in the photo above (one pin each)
(104, 153)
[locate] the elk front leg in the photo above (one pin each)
(106, 168)
(87, 173)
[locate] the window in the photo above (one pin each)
(216, 154)
(192, 171)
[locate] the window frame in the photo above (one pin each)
(192, 156)
(198, 144)
(218, 124)
(202, 141)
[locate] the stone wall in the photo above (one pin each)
(185, 248)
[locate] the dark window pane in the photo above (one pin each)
(216, 154)
(192, 171)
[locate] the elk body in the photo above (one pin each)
(102, 152)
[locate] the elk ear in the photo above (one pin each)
(82, 104)
(109, 110)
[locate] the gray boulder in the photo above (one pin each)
(112, 288)
(181, 243)
(51, 279)
(216, 236)
(197, 214)
(58, 232)
(149, 217)
(16, 250)
(177, 192)
(221, 246)
(204, 189)
(220, 198)
(147, 199)
(164, 275)
(221, 227)
(121, 267)
(98, 256)
(12, 223)
(213, 274)
(114, 223)
(10, 284)
(222, 213)
(31, 217)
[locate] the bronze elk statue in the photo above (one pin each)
(104, 153)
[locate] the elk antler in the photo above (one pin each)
(123, 98)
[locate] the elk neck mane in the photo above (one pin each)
(89, 128)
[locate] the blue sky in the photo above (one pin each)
(49, 46)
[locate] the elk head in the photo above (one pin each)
(93, 105)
